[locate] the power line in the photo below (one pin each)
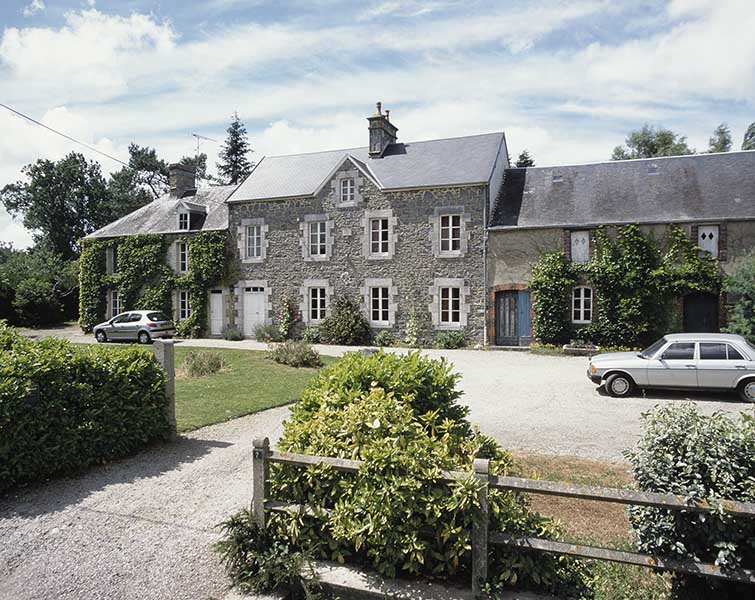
(68, 137)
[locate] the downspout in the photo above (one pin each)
(485, 265)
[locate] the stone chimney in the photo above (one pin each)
(382, 131)
(181, 179)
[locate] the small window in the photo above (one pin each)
(317, 303)
(680, 351)
(580, 246)
(712, 351)
(183, 257)
(134, 318)
(379, 312)
(115, 303)
(733, 353)
(652, 170)
(450, 233)
(156, 317)
(122, 318)
(379, 232)
(348, 190)
(183, 221)
(707, 239)
(184, 309)
(318, 238)
(558, 178)
(450, 305)
(253, 236)
(582, 305)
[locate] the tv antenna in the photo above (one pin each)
(202, 137)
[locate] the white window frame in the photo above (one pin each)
(253, 241)
(317, 241)
(384, 236)
(183, 221)
(183, 257)
(582, 305)
(115, 304)
(318, 303)
(450, 232)
(579, 239)
(383, 297)
(446, 308)
(347, 190)
(715, 230)
(184, 306)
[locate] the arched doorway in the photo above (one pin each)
(701, 313)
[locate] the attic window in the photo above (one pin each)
(558, 178)
(653, 170)
(183, 221)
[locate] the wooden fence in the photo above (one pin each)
(482, 538)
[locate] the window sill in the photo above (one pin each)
(449, 327)
(581, 322)
(381, 324)
(379, 256)
(458, 254)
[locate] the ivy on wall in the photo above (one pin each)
(635, 282)
(144, 279)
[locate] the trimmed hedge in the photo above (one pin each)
(93, 404)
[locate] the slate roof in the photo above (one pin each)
(160, 216)
(701, 187)
(435, 163)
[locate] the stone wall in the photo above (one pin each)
(412, 266)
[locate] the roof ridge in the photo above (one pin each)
(635, 160)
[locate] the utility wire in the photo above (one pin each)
(68, 137)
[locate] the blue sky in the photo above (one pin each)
(565, 79)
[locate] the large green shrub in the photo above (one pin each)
(399, 414)
(706, 458)
(295, 353)
(200, 363)
(741, 284)
(345, 325)
(451, 339)
(92, 404)
(553, 278)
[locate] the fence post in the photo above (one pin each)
(260, 476)
(480, 530)
(165, 354)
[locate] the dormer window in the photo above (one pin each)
(183, 221)
(348, 190)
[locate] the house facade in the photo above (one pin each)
(549, 209)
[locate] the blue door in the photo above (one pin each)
(524, 328)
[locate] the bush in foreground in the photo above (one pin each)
(399, 414)
(346, 325)
(451, 339)
(92, 404)
(200, 363)
(295, 353)
(706, 458)
(384, 338)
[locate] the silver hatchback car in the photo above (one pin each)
(713, 361)
(135, 326)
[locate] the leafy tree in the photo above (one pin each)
(151, 172)
(60, 202)
(741, 284)
(721, 140)
(651, 142)
(525, 160)
(234, 165)
(748, 143)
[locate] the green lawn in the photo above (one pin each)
(249, 383)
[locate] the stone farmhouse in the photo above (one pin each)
(443, 232)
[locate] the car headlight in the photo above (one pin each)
(593, 369)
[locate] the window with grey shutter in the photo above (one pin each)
(707, 239)
(580, 246)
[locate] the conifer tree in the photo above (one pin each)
(234, 163)
(525, 160)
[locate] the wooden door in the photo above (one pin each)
(506, 322)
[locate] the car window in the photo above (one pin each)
(156, 316)
(712, 351)
(680, 351)
(734, 354)
(122, 318)
(653, 348)
(136, 317)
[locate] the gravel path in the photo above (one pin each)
(138, 528)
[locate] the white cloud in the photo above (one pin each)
(34, 7)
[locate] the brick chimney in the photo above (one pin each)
(382, 131)
(181, 179)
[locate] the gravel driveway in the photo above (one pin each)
(138, 528)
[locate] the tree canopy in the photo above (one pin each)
(525, 160)
(234, 163)
(651, 142)
(721, 140)
(748, 143)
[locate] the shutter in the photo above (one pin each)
(580, 246)
(707, 238)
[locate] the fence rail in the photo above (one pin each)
(481, 537)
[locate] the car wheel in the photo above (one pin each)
(100, 337)
(619, 385)
(144, 337)
(746, 390)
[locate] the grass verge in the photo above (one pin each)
(595, 523)
(248, 383)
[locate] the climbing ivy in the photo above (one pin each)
(145, 281)
(636, 282)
